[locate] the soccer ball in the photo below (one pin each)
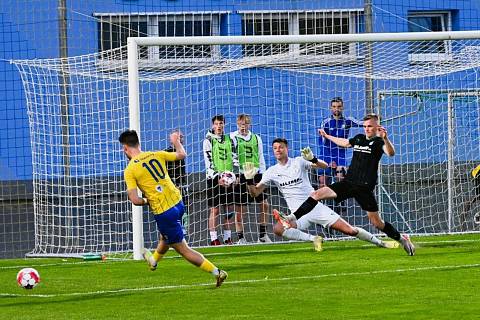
(28, 278)
(228, 177)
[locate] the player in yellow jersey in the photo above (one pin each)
(147, 172)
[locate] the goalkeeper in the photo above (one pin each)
(290, 175)
(361, 178)
(147, 172)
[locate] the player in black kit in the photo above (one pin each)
(361, 178)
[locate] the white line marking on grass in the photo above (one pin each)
(211, 254)
(326, 247)
(56, 264)
(184, 286)
(231, 253)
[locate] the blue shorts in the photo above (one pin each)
(169, 223)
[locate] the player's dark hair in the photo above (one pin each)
(129, 138)
(370, 116)
(280, 140)
(218, 117)
(336, 99)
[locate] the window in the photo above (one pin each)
(113, 31)
(186, 26)
(269, 24)
(429, 21)
(301, 22)
(113, 35)
(328, 23)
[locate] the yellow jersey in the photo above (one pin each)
(148, 172)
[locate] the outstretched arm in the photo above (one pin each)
(320, 165)
(307, 154)
(176, 141)
(388, 147)
(342, 142)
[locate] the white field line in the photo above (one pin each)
(29, 263)
(266, 279)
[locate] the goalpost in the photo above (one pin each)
(285, 83)
(461, 147)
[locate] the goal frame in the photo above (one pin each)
(133, 44)
(451, 95)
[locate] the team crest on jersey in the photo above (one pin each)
(159, 188)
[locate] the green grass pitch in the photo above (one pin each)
(348, 280)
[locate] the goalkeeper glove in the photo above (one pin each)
(249, 171)
(307, 154)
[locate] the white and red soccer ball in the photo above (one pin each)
(228, 177)
(28, 278)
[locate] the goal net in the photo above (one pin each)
(426, 91)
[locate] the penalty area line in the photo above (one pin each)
(266, 279)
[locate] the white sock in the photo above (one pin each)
(213, 235)
(367, 236)
(215, 272)
(227, 234)
(295, 234)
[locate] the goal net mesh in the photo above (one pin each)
(427, 94)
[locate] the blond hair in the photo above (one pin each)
(244, 117)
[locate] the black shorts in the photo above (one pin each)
(242, 196)
(363, 194)
(218, 195)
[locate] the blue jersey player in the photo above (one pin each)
(338, 126)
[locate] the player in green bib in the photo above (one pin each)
(219, 156)
(249, 148)
(222, 158)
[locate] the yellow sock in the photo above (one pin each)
(157, 256)
(207, 266)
